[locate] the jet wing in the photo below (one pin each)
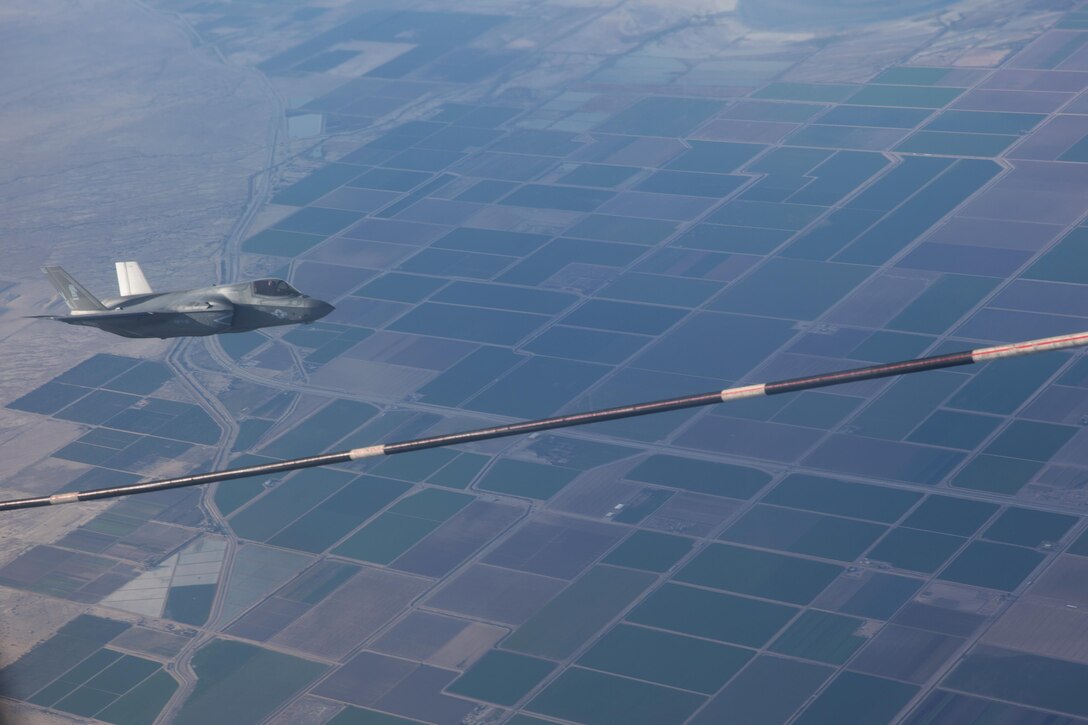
(209, 320)
(93, 318)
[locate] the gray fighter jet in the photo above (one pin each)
(140, 312)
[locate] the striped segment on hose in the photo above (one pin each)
(1017, 349)
(627, 411)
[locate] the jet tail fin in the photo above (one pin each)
(131, 279)
(75, 294)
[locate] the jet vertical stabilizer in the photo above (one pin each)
(76, 295)
(131, 279)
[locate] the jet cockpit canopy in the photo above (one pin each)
(274, 288)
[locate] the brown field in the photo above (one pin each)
(1044, 627)
(1065, 581)
(496, 594)
(352, 613)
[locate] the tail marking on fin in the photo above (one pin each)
(75, 295)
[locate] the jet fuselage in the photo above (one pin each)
(207, 311)
(239, 307)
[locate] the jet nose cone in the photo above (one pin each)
(319, 309)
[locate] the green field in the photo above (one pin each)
(385, 538)
(767, 215)
(111, 686)
(598, 175)
(691, 183)
(667, 659)
(501, 677)
(462, 380)
(595, 698)
(1080, 546)
(77, 641)
(399, 287)
(955, 429)
(659, 289)
(997, 566)
(764, 111)
(943, 303)
(417, 466)
(731, 239)
(475, 324)
(913, 217)
(881, 596)
(950, 515)
(280, 243)
(817, 410)
(1027, 527)
(190, 604)
(523, 478)
(432, 504)
(589, 345)
(916, 550)
(718, 479)
(240, 683)
(858, 699)
(879, 116)
(623, 229)
(1065, 261)
(766, 692)
(884, 346)
(759, 573)
(805, 92)
(985, 122)
(459, 472)
(821, 636)
(712, 615)
(650, 550)
(568, 620)
(287, 501)
(1031, 440)
(956, 144)
(1001, 389)
(337, 515)
(831, 234)
(845, 137)
(912, 96)
(402, 526)
(143, 703)
(912, 75)
(804, 532)
(538, 388)
(494, 241)
(997, 474)
(843, 498)
(814, 287)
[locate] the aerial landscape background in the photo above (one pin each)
(522, 209)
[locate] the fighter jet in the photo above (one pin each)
(140, 312)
